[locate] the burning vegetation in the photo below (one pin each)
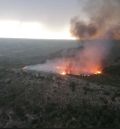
(68, 68)
(102, 22)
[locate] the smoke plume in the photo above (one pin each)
(103, 20)
(87, 60)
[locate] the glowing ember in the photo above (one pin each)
(98, 72)
(67, 69)
(63, 73)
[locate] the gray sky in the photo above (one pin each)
(53, 13)
(51, 18)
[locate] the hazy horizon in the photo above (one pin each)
(36, 19)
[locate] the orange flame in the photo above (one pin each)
(98, 72)
(65, 69)
(63, 73)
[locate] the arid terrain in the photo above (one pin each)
(38, 99)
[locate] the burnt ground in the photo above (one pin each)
(34, 100)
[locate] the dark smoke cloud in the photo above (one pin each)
(103, 20)
(83, 30)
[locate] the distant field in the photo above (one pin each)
(23, 51)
